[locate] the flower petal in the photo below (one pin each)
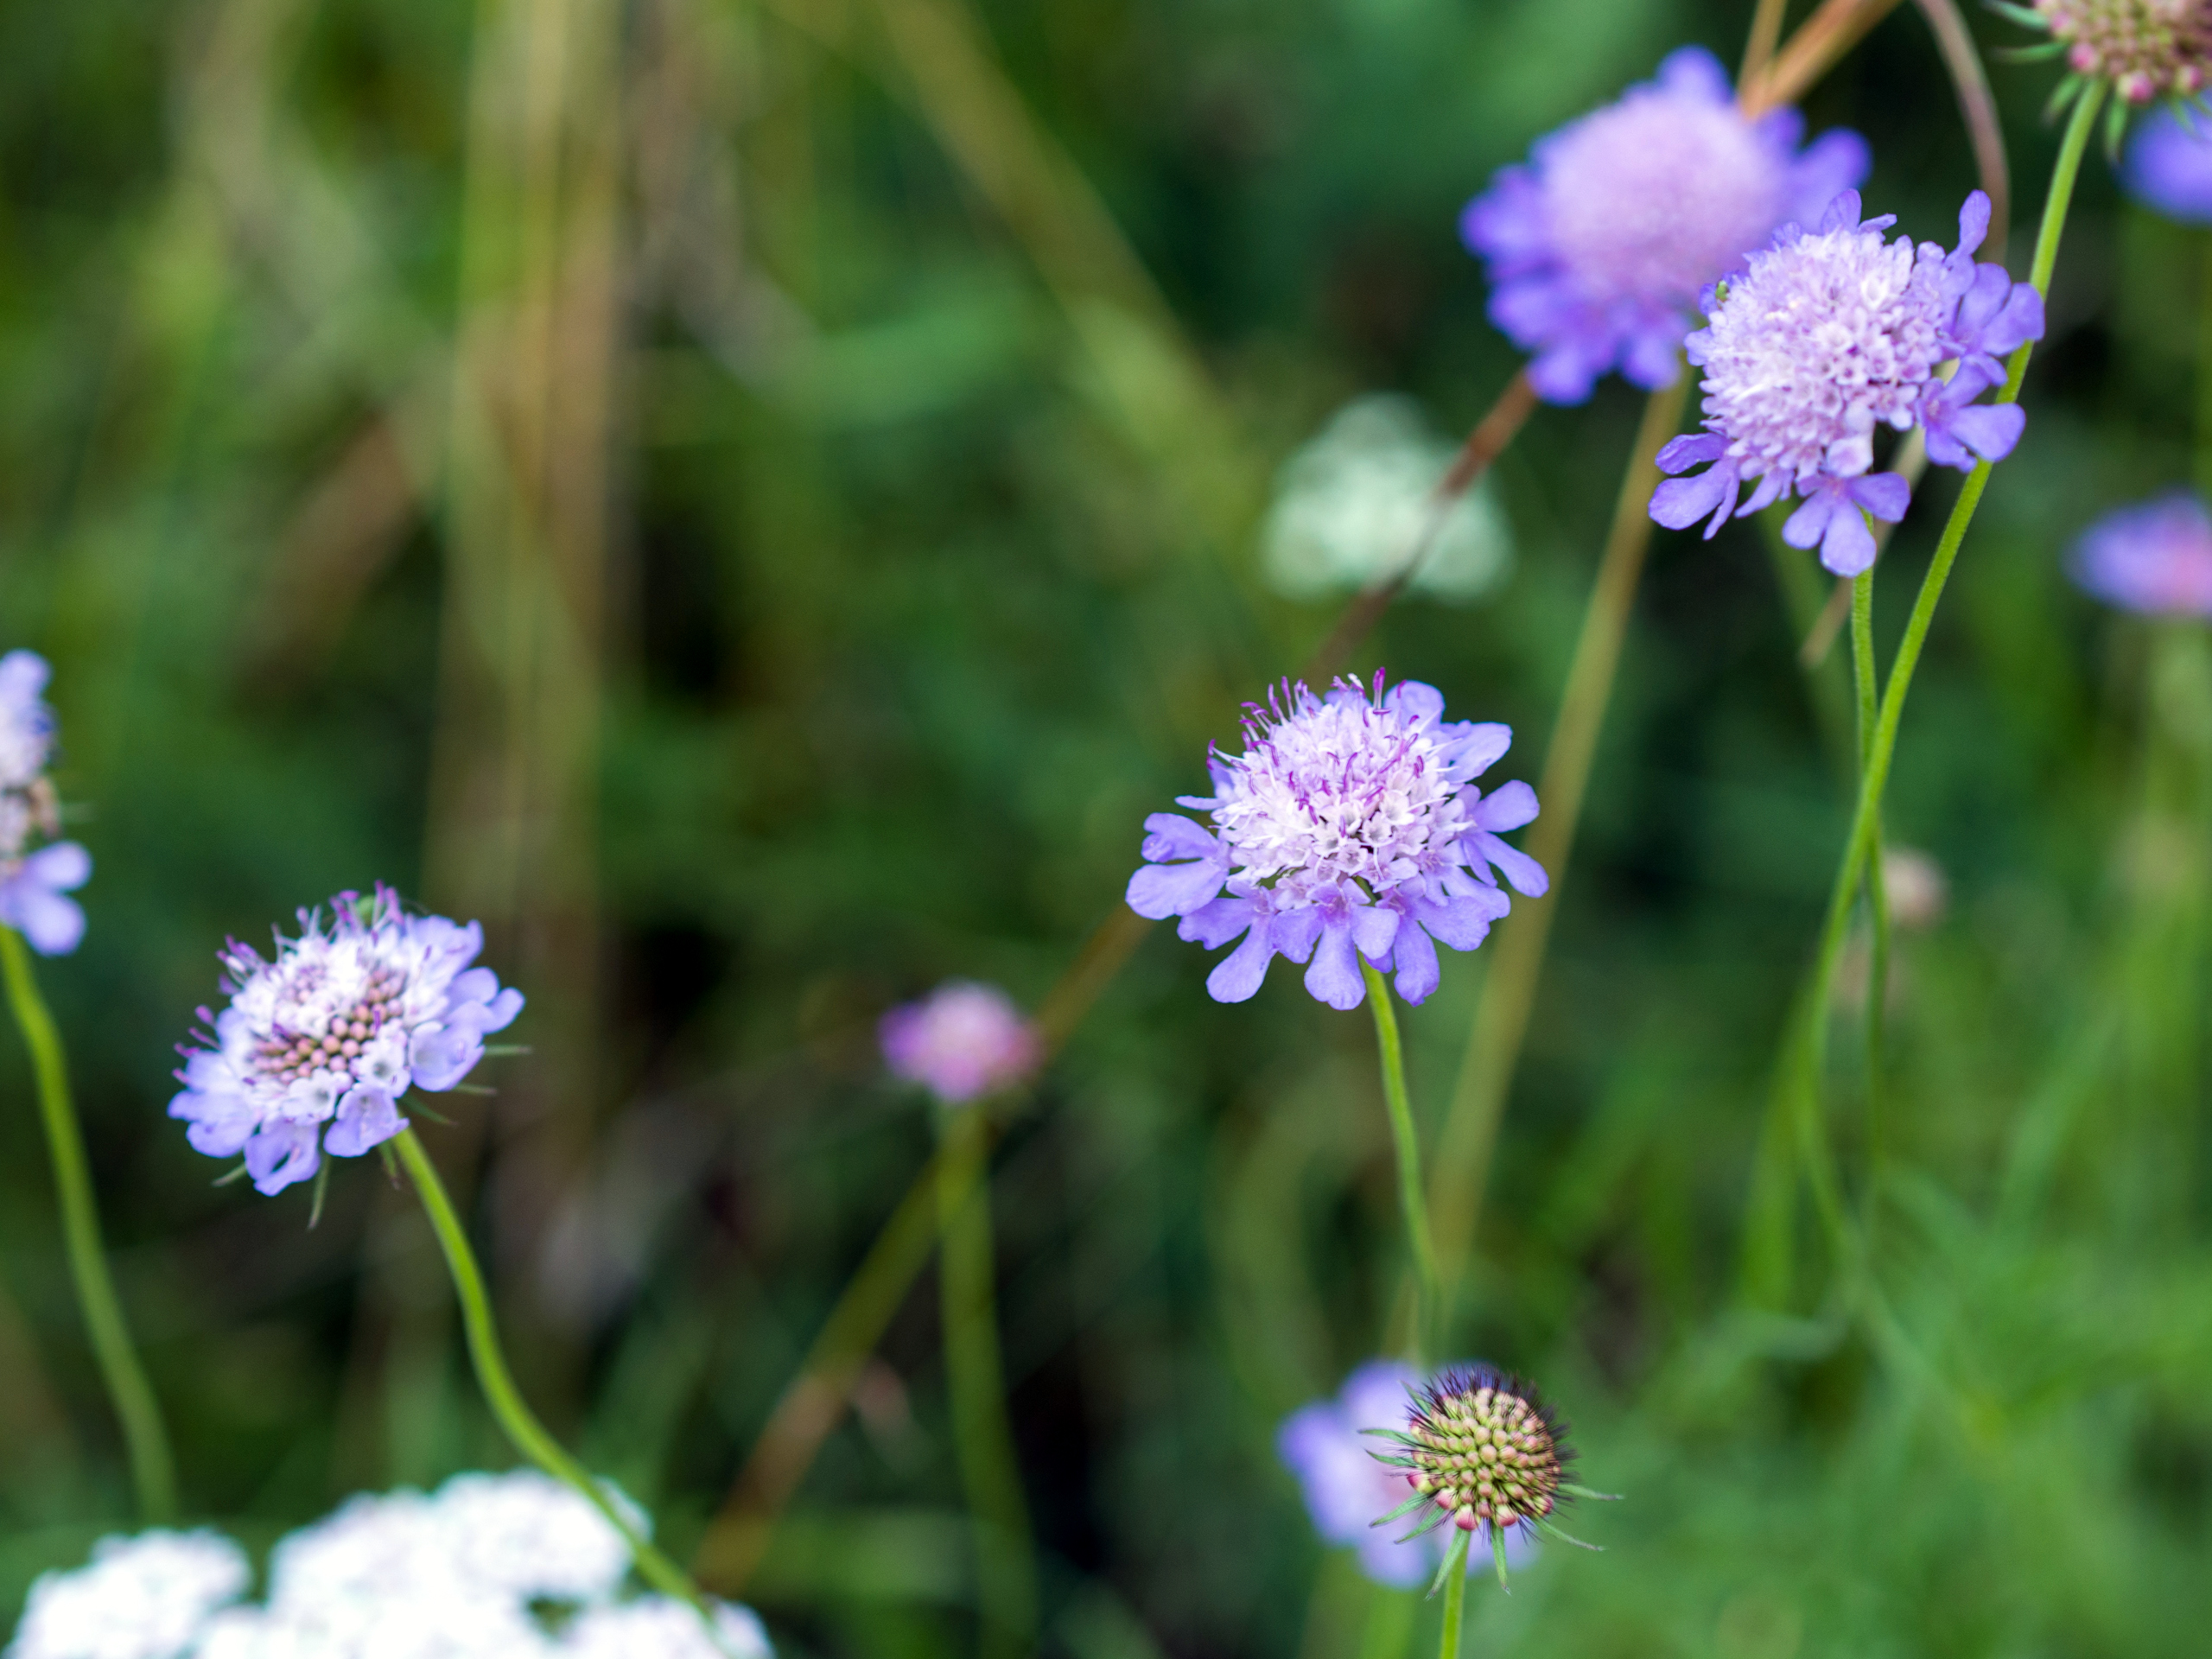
(367, 1117)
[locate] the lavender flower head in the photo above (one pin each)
(332, 1031)
(1599, 246)
(1830, 334)
(1350, 827)
(2155, 557)
(35, 880)
(2169, 165)
(962, 1040)
(1326, 1445)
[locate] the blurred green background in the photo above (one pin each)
(756, 501)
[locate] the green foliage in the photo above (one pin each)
(936, 452)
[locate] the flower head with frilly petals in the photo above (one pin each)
(2155, 557)
(1481, 1450)
(1598, 247)
(1324, 1446)
(1830, 335)
(35, 879)
(332, 1032)
(962, 1040)
(1350, 827)
(2144, 48)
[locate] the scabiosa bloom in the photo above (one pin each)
(2145, 48)
(142, 1598)
(1324, 1446)
(962, 1040)
(1599, 246)
(1350, 827)
(35, 879)
(330, 1032)
(1480, 1449)
(2155, 557)
(2169, 165)
(1829, 335)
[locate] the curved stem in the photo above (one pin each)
(1412, 1198)
(1809, 1042)
(1006, 1570)
(531, 1436)
(1455, 1595)
(153, 1469)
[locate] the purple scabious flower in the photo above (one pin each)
(1829, 335)
(1326, 1447)
(1350, 827)
(2155, 557)
(962, 1040)
(318, 1045)
(2169, 165)
(35, 880)
(1599, 246)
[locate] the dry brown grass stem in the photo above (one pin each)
(1819, 42)
(1978, 107)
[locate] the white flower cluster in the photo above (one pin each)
(488, 1567)
(1353, 503)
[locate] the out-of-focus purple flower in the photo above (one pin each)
(962, 1040)
(2155, 557)
(2145, 48)
(34, 880)
(1346, 1490)
(1599, 246)
(317, 1046)
(1350, 827)
(1829, 336)
(2169, 165)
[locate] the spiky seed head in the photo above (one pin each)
(1483, 1447)
(2146, 48)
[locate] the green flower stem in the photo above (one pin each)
(1411, 1194)
(1455, 1595)
(1006, 1569)
(1878, 958)
(529, 1436)
(153, 1469)
(1808, 1048)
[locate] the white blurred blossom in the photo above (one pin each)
(488, 1567)
(142, 1598)
(1352, 504)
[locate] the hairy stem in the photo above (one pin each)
(531, 1436)
(153, 1468)
(1006, 1569)
(1412, 1197)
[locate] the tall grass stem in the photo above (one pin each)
(1508, 991)
(1006, 1570)
(1877, 905)
(153, 1467)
